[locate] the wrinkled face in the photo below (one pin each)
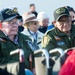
(44, 22)
(33, 26)
(64, 24)
(10, 27)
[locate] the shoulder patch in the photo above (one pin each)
(45, 40)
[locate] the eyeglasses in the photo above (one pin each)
(64, 21)
(12, 23)
(34, 23)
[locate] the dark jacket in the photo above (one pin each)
(6, 46)
(42, 29)
(56, 39)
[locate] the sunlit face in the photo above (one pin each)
(64, 24)
(33, 26)
(44, 22)
(10, 27)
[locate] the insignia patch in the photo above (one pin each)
(60, 43)
(10, 12)
(57, 38)
(45, 40)
(60, 10)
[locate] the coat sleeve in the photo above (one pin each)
(48, 42)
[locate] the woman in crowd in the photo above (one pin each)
(30, 24)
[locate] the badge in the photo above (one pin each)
(45, 40)
(60, 43)
(60, 10)
(57, 38)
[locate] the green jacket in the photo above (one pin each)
(57, 39)
(6, 46)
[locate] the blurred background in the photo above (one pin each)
(47, 6)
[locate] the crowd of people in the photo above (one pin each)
(22, 35)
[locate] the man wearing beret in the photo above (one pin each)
(63, 34)
(13, 45)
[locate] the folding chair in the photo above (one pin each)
(22, 70)
(42, 62)
(57, 64)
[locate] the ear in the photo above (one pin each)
(54, 23)
(0, 25)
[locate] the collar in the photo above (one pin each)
(59, 33)
(32, 33)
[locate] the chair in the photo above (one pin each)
(42, 62)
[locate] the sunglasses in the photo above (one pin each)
(34, 23)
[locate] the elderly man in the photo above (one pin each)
(13, 44)
(63, 34)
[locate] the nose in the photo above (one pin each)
(65, 23)
(15, 24)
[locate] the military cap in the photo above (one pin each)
(7, 15)
(60, 12)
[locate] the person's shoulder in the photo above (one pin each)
(25, 31)
(51, 31)
(73, 25)
(24, 36)
(40, 32)
(73, 28)
(27, 13)
(50, 27)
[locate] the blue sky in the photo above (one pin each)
(47, 6)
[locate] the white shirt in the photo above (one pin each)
(39, 36)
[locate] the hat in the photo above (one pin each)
(18, 16)
(41, 16)
(28, 18)
(7, 15)
(60, 12)
(69, 8)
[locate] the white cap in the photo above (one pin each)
(28, 18)
(41, 16)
